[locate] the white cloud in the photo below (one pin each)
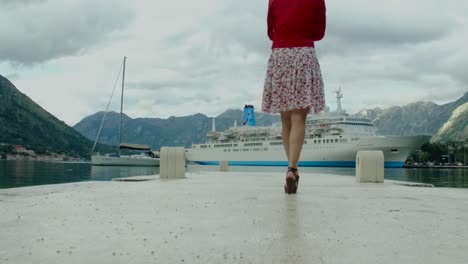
(37, 31)
(206, 56)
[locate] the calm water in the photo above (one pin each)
(29, 173)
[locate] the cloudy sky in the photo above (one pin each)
(205, 56)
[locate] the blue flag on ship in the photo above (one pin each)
(249, 116)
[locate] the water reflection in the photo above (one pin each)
(104, 173)
(293, 248)
(438, 177)
(29, 173)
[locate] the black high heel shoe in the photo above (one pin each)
(292, 183)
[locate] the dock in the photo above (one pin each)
(232, 217)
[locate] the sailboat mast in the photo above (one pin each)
(121, 102)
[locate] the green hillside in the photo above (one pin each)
(25, 123)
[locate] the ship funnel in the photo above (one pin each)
(339, 95)
(213, 125)
(249, 116)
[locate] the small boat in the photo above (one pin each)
(145, 156)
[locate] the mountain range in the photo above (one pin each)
(23, 122)
(447, 122)
(456, 128)
(157, 132)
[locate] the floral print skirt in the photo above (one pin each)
(293, 81)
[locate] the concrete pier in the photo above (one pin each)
(233, 218)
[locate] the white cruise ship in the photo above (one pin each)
(332, 140)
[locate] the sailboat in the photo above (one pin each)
(146, 157)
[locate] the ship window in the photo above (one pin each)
(315, 141)
(253, 144)
(223, 146)
(320, 141)
(336, 140)
(328, 141)
(203, 146)
(395, 150)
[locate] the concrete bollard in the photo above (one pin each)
(172, 163)
(370, 166)
(224, 166)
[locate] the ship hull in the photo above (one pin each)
(343, 154)
(333, 164)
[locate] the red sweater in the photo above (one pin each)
(296, 23)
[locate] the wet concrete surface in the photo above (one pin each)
(233, 218)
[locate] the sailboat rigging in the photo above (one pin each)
(145, 158)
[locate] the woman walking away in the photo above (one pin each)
(293, 83)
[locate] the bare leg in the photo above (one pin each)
(297, 135)
(286, 130)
